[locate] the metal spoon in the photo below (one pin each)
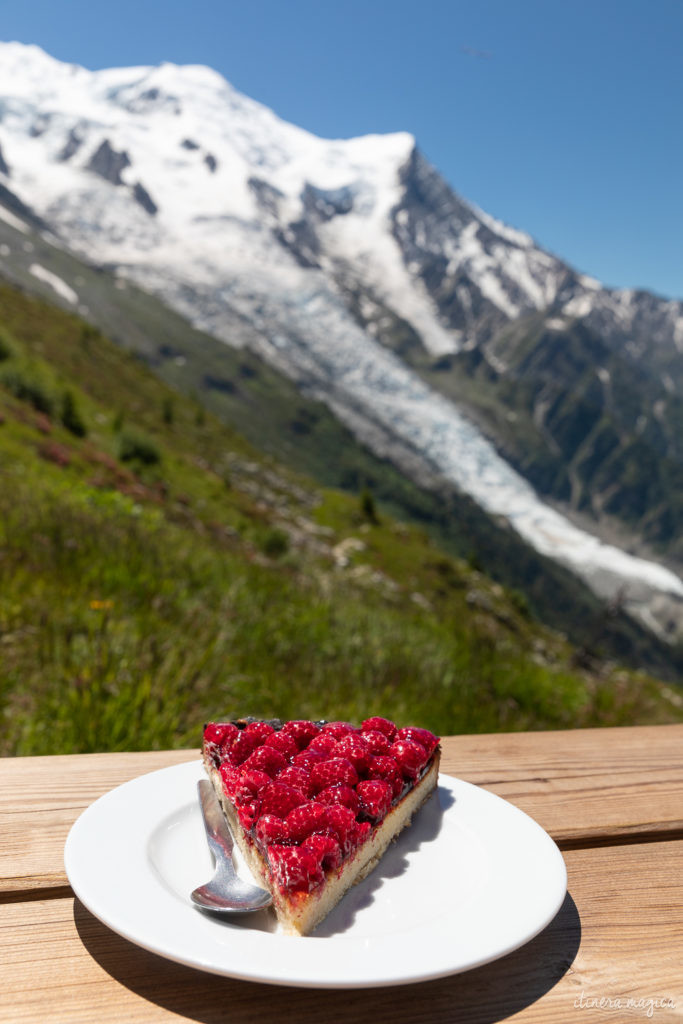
(226, 892)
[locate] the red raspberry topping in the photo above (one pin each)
(326, 849)
(375, 797)
(424, 737)
(354, 747)
(242, 786)
(260, 731)
(386, 768)
(323, 744)
(300, 789)
(340, 822)
(307, 758)
(267, 760)
(295, 868)
(285, 744)
(339, 729)
(411, 757)
(247, 813)
(382, 725)
(232, 780)
(335, 772)
(220, 733)
(301, 732)
(255, 779)
(297, 777)
(344, 796)
(271, 829)
(306, 819)
(279, 799)
(377, 742)
(359, 833)
(242, 746)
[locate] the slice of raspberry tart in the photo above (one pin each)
(314, 805)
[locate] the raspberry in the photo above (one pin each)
(285, 744)
(279, 799)
(295, 868)
(344, 796)
(340, 822)
(377, 742)
(256, 780)
(260, 732)
(424, 737)
(271, 829)
(232, 781)
(307, 758)
(356, 749)
(247, 814)
(382, 725)
(323, 744)
(335, 772)
(297, 777)
(266, 759)
(384, 767)
(359, 833)
(339, 729)
(242, 786)
(306, 819)
(375, 798)
(326, 850)
(411, 757)
(301, 732)
(221, 734)
(242, 746)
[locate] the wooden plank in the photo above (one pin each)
(582, 786)
(619, 936)
(41, 797)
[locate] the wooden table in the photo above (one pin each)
(612, 799)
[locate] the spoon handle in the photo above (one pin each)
(217, 831)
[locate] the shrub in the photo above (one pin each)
(71, 417)
(28, 388)
(135, 447)
(168, 410)
(367, 506)
(6, 350)
(275, 543)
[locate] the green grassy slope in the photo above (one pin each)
(155, 571)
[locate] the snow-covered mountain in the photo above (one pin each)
(331, 258)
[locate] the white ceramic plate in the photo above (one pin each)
(472, 879)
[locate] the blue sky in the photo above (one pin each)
(560, 118)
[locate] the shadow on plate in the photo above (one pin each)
(486, 994)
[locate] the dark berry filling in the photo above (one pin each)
(308, 794)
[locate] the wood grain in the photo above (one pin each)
(619, 935)
(584, 787)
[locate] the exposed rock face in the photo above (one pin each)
(142, 196)
(109, 164)
(4, 169)
(71, 147)
(267, 196)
